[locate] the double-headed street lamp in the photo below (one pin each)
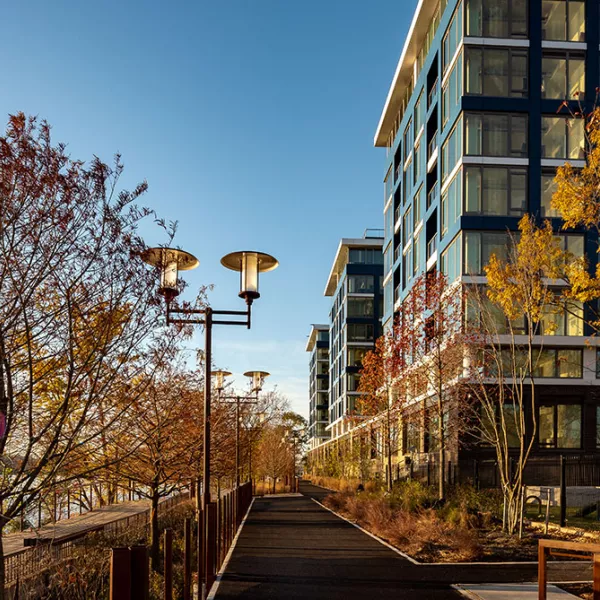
(169, 261)
(257, 379)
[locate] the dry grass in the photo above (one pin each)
(421, 533)
(266, 487)
(342, 484)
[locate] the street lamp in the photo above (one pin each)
(257, 379)
(169, 261)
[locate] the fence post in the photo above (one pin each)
(120, 574)
(218, 535)
(596, 577)
(210, 545)
(563, 491)
(541, 572)
(168, 552)
(200, 551)
(187, 559)
(140, 573)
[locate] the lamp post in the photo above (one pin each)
(257, 379)
(169, 261)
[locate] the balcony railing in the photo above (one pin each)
(397, 214)
(396, 253)
(431, 247)
(432, 147)
(432, 194)
(433, 93)
(397, 294)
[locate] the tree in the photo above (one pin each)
(165, 427)
(78, 311)
(505, 320)
(380, 373)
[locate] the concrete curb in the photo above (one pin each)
(215, 585)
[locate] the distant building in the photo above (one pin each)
(355, 284)
(318, 346)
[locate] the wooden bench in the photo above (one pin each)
(575, 550)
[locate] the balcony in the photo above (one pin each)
(432, 153)
(431, 247)
(433, 194)
(432, 97)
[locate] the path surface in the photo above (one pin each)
(292, 548)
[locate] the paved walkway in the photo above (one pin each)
(293, 548)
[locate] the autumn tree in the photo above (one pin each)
(506, 321)
(78, 311)
(380, 390)
(165, 427)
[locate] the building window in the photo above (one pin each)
(597, 426)
(452, 150)
(322, 354)
(361, 284)
(497, 18)
(365, 256)
(408, 140)
(388, 185)
(452, 92)
(453, 37)
(496, 72)
(417, 254)
(559, 320)
(563, 76)
(572, 243)
(359, 332)
(560, 363)
(450, 261)
(548, 189)
(417, 206)
(407, 223)
(496, 135)
(563, 20)
(451, 203)
(563, 138)
(479, 247)
(417, 160)
(560, 426)
(360, 307)
(495, 191)
(356, 355)
(419, 113)
(388, 257)
(408, 181)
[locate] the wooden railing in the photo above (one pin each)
(574, 550)
(40, 553)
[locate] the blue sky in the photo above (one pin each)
(252, 121)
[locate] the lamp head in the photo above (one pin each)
(220, 379)
(257, 379)
(169, 261)
(249, 264)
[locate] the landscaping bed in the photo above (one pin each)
(464, 528)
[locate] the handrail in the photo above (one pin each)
(22, 564)
(545, 549)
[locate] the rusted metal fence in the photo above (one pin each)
(215, 532)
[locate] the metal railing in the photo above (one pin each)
(432, 147)
(432, 194)
(431, 247)
(432, 97)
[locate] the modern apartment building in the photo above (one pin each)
(473, 138)
(318, 346)
(355, 286)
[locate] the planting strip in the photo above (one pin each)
(435, 564)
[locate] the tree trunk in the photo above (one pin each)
(154, 533)
(389, 452)
(442, 442)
